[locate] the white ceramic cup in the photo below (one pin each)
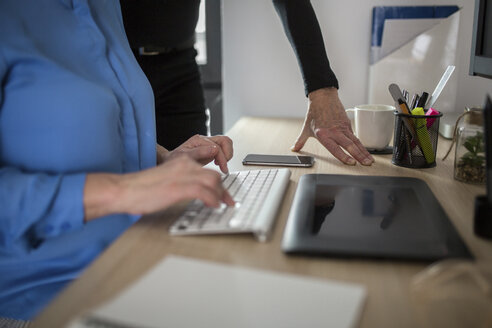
(373, 124)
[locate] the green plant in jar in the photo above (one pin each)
(470, 167)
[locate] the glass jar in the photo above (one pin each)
(469, 160)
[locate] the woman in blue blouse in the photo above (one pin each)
(77, 147)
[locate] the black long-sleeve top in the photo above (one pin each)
(168, 23)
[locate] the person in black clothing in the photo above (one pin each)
(161, 34)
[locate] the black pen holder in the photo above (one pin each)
(415, 140)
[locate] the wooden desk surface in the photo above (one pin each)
(147, 242)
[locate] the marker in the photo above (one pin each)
(430, 121)
(423, 136)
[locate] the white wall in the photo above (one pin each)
(261, 76)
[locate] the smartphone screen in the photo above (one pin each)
(278, 160)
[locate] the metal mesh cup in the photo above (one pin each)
(415, 140)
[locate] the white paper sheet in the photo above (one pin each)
(182, 292)
(398, 32)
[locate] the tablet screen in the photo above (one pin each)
(380, 212)
(369, 216)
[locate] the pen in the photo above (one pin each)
(403, 146)
(415, 99)
(405, 95)
(397, 95)
(403, 106)
(407, 145)
(422, 100)
(395, 92)
(411, 128)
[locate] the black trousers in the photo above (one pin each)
(179, 100)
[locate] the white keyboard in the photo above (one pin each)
(257, 193)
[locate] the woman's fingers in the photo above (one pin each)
(176, 180)
(225, 144)
(206, 149)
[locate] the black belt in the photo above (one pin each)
(157, 50)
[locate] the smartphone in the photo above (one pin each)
(278, 160)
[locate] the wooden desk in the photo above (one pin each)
(147, 242)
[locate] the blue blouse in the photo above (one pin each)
(73, 100)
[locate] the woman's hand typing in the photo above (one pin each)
(179, 178)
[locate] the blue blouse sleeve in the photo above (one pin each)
(36, 206)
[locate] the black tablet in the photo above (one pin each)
(369, 216)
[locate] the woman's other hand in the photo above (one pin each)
(155, 189)
(206, 149)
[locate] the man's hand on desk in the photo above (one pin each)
(327, 121)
